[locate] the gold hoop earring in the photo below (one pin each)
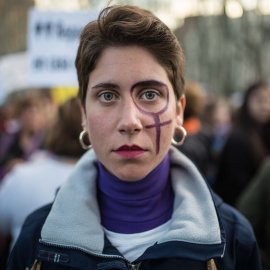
(84, 146)
(175, 143)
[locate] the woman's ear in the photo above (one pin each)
(83, 115)
(180, 107)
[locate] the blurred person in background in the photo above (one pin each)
(9, 123)
(198, 143)
(248, 144)
(222, 121)
(217, 116)
(35, 111)
(254, 203)
(34, 183)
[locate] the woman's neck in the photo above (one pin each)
(137, 206)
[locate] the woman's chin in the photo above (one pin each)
(130, 175)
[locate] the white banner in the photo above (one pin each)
(53, 39)
(13, 74)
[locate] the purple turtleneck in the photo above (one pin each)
(135, 206)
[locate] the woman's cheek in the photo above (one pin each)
(98, 127)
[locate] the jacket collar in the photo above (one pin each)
(74, 220)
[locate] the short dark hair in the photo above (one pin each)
(127, 25)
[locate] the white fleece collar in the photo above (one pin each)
(194, 218)
(75, 220)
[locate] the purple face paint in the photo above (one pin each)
(155, 115)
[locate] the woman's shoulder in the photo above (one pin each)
(23, 253)
(240, 238)
(237, 228)
(37, 217)
(232, 218)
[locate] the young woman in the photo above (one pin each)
(248, 144)
(133, 201)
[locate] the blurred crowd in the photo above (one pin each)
(229, 142)
(34, 157)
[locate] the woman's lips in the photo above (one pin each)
(129, 151)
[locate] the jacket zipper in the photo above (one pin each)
(131, 266)
(89, 253)
(135, 266)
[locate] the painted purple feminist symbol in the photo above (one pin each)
(156, 115)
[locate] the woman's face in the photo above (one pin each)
(130, 112)
(259, 105)
(33, 117)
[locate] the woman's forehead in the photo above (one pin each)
(127, 64)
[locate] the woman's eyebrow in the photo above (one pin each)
(149, 83)
(106, 85)
(146, 83)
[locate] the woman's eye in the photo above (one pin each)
(107, 96)
(150, 95)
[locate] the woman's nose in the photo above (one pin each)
(129, 119)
